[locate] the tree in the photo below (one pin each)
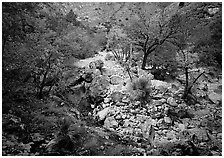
(15, 22)
(150, 28)
(210, 47)
(193, 30)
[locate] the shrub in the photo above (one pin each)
(142, 89)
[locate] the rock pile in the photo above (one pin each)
(164, 118)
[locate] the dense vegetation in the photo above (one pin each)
(53, 103)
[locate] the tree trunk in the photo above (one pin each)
(144, 61)
(186, 85)
(44, 79)
(42, 85)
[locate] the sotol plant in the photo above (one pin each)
(142, 90)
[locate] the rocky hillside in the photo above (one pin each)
(165, 120)
(103, 112)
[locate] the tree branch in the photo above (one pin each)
(189, 89)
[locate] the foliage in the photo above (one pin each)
(142, 89)
(210, 52)
(149, 29)
(193, 30)
(40, 38)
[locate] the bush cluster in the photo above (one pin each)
(142, 89)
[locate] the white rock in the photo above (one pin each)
(219, 135)
(115, 80)
(92, 106)
(118, 117)
(181, 126)
(103, 113)
(123, 116)
(137, 103)
(126, 100)
(166, 109)
(106, 100)
(215, 97)
(160, 121)
(163, 100)
(154, 122)
(167, 120)
(172, 101)
(157, 102)
(105, 105)
(158, 84)
(110, 122)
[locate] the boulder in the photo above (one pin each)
(99, 87)
(167, 120)
(117, 96)
(76, 94)
(200, 134)
(115, 80)
(103, 113)
(98, 64)
(215, 97)
(110, 122)
(181, 126)
(144, 74)
(159, 84)
(88, 75)
(128, 123)
(109, 56)
(172, 102)
(157, 102)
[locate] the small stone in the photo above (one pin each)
(159, 107)
(123, 116)
(160, 121)
(106, 100)
(118, 117)
(163, 100)
(157, 102)
(125, 100)
(157, 115)
(105, 105)
(172, 102)
(137, 103)
(166, 110)
(132, 118)
(153, 122)
(92, 106)
(120, 104)
(158, 96)
(132, 110)
(126, 123)
(219, 135)
(181, 126)
(102, 147)
(167, 120)
(137, 110)
(215, 153)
